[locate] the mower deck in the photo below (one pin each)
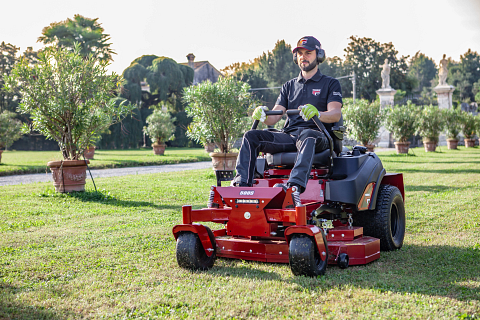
(350, 240)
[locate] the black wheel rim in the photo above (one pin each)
(394, 220)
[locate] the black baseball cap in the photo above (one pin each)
(309, 43)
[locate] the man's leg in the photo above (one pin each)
(255, 141)
(309, 142)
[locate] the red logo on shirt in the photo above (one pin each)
(316, 92)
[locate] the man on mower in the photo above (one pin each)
(312, 92)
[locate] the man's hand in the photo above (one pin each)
(308, 111)
(259, 113)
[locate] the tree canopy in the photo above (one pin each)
(165, 77)
(365, 57)
(464, 76)
(423, 69)
(87, 32)
(8, 58)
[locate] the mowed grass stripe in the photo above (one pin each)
(111, 254)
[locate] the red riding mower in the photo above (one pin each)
(350, 210)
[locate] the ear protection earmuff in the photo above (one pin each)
(320, 56)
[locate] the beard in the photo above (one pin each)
(307, 67)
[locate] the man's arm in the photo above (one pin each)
(333, 113)
(271, 120)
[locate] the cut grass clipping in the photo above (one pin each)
(111, 254)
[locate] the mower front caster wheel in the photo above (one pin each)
(305, 260)
(191, 254)
(343, 260)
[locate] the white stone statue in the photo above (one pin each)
(443, 72)
(386, 76)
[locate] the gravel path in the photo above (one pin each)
(103, 173)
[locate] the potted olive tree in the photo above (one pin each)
(363, 120)
(453, 125)
(221, 107)
(69, 98)
(430, 123)
(469, 128)
(401, 121)
(201, 134)
(10, 130)
(160, 129)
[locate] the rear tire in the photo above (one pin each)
(191, 254)
(387, 221)
(305, 260)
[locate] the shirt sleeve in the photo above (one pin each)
(334, 92)
(283, 96)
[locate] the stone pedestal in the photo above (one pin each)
(386, 96)
(444, 96)
(386, 100)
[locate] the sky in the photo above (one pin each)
(224, 32)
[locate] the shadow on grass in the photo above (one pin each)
(107, 199)
(432, 189)
(242, 269)
(443, 171)
(10, 308)
(430, 270)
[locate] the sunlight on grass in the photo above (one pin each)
(21, 162)
(110, 254)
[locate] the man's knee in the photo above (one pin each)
(310, 133)
(251, 134)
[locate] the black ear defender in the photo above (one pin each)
(310, 43)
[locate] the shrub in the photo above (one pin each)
(363, 119)
(430, 123)
(160, 127)
(402, 121)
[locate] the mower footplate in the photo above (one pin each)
(257, 250)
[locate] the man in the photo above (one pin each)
(313, 93)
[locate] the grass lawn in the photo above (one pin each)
(111, 254)
(20, 162)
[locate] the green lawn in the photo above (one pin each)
(19, 162)
(111, 255)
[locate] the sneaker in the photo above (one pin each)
(280, 185)
(239, 184)
(300, 189)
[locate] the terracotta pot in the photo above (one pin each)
(430, 146)
(370, 147)
(68, 175)
(1, 151)
(159, 149)
(89, 152)
(210, 147)
(469, 143)
(452, 144)
(223, 161)
(402, 147)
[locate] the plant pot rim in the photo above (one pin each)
(67, 163)
(400, 142)
(451, 139)
(223, 154)
(158, 144)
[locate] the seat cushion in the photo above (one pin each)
(288, 159)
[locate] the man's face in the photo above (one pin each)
(307, 60)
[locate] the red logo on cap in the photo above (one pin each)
(303, 41)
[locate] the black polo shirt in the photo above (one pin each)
(319, 90)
